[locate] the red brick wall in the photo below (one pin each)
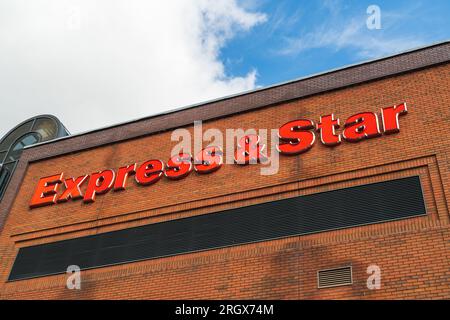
(413, 254)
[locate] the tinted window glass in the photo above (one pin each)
(20, 131)
(46, 127)
(16, 149)
(5, 173)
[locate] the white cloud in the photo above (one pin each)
(339, 33)
(98, 62)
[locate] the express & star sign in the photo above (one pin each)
(295, 137)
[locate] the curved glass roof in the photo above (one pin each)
(34, 130)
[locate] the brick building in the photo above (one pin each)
(310, 231)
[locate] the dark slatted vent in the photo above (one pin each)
(344, 208)
(334, 277)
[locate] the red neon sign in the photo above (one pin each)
(295, 137)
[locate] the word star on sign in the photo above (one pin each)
(295, 137)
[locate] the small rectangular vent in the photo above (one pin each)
(334, 277)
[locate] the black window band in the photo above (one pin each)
(331, 210)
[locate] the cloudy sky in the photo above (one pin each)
(94, 63)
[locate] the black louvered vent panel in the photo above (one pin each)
(344, 208)
(334, 277)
